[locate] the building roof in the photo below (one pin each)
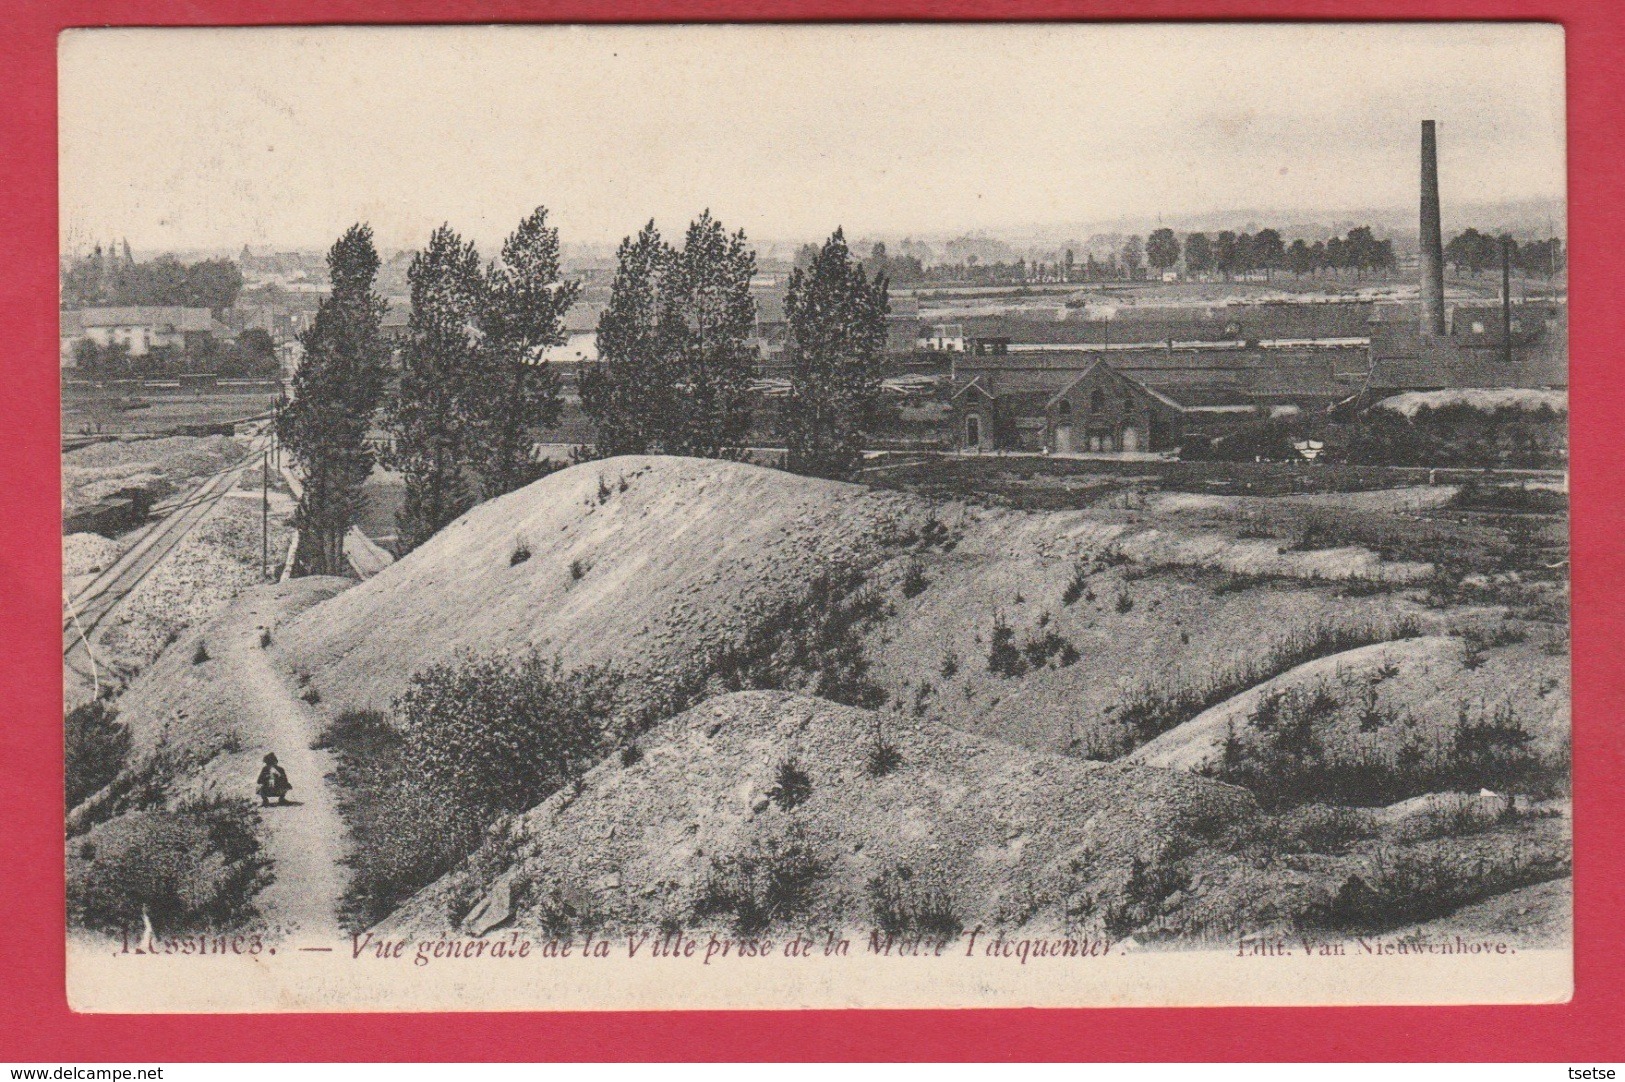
(171, 317)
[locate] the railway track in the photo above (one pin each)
(86, 611)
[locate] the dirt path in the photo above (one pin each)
(306, 840)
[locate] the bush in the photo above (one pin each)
(773, 881)
(813, 643)
(192, 869)
(405, 837)
(201, 654)
(499, 734)
(914, 580)
(95, 745)
(1075, 585)
(1411, 886)
(521, 553)
(791, 785)
(903, 905)
(883, 756)
(950, 665)
(1284, 757)
(1003, 658)
(578, 570)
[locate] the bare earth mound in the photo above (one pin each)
(701, 828)
(654, 564)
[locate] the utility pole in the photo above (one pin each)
(265, 513)
(1506, 298)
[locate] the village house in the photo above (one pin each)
(140, 329)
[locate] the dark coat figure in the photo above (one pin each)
(273, 783)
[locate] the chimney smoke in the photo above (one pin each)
(1432, 243)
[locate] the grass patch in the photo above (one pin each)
(901, 904)
(775, 880)
(1151, 709)
(1287, 757)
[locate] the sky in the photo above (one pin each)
(191, 139)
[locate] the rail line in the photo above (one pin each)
(92, 605)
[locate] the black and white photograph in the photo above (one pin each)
(805, 516)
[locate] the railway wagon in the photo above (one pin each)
(111, 515)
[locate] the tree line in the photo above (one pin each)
(250, 355)
(105, 279)
(1475, 252)
(470, 392)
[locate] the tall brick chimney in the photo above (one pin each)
(1432, 243)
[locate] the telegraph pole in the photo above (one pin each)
(1506, 297)
(265, 512)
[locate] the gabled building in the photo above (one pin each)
(1066, 404)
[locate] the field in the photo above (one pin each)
(143, 410)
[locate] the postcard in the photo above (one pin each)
(805, 516)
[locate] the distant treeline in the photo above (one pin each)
(1476, 252)
(105, 279)
(1225, 254)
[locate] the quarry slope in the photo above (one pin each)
(966, 828)
(654, 564)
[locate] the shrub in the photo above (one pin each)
(311, 695)
(1003, 658)
(95, 745)
(914, 580)
(1283, 756)
(405, 836)
(499, 734)
(1075, 585)
(903, 905)
(812, 643)
(950, 665)
(577, 570)
(195, 868)
(1151, 709)
(521, 553)
(1414, 885)
(201, 654)
(791, 785)
(265, 638)
(1125, 603)
(631, 755)
(774, 880)
(1040, 650)
(882, 757)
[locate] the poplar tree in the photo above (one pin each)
(633, 379)
(709, 292)
(837, 336)
(336, 391)
(515, 392)
(437, 365)
(674, 347)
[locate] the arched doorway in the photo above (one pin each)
(1131, 438)
(1063, 438)
(973, 432)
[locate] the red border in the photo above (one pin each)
(35, 1023)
